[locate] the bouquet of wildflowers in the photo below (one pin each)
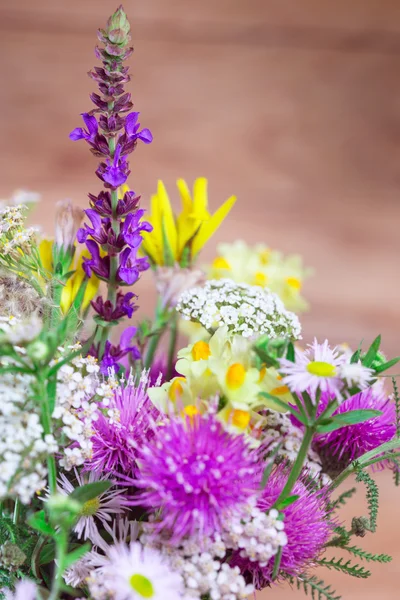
(132, 468)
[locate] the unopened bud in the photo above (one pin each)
(171, 282)
(68, 220)
(118, 22)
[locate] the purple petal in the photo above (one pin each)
(93, 249)
(81, 235)
(128, 275)
(130, 122)
(77, 134)
(91, 123)
(146, 136)
(126, 337)
(114, 176)
(94, 218)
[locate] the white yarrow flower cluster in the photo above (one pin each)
(22, 471)
(18, 331)
(77, 384)
(245, 309)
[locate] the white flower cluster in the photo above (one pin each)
(245, 309)
(23, 445)
(77, 384)
(13, 235)
(17, 331)
(280, 427)
(256, 535)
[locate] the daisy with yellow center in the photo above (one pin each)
(179, 238)
(317, 368)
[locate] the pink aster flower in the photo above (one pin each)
(307, 528)
(121, 428)
(196, 473)
(315, 368)
(354, 440)
(102, 508)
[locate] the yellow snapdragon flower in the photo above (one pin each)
(71, 287)
(179, 238)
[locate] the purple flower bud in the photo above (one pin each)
(124, 307)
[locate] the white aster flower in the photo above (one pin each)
(355, 374)
(104, 507)
(134, 572)
(318, 367)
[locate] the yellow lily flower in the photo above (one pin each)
(73, 284)
(179, 238)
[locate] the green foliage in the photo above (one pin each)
(342, 499)
(341, 539)
(23, 540)
(337, 564)
(318, 589)
(381, 558)
(351, 417)
(372, 499)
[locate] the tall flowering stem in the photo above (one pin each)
(113, 236)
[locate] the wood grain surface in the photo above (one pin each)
(292, 105)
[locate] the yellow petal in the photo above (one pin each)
(66, 296)
(187, 204)
(46, 254)
(122, 191)
(208, 228)
(189, 220)
(200, 198)
(168, 221)
(91, 291)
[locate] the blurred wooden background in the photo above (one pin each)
(293, 105)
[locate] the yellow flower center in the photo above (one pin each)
(263, 371)
(90, 507)
(235, 376)
(280, 390)
(294, 283)
(321, 369)
(176, 389)
(239, 418)
(260, 279)
(142, 585)
(221, 263)
(190, 411)
(201, 351)
(264, 256)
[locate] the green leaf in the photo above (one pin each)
(284, 406)
(87, 492)
(319, 589)
(356, 356)
(347, 567)
(381, 558)
(76, 555)
(342, 499)
(277, 563)
(268, 360)
(290, 354)
(385, 366)
(38, 521)
(343, 420)
(270, 466)
(287, 502)
(47, 554)
(370, 356)
(168, 255)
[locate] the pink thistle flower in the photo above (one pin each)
(307, 528)
(198, 474)
(123, 426)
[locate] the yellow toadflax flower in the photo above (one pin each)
(179, 238)
(71, 287)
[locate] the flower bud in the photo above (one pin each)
(118, 27)
(68, 220)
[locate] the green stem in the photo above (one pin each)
(297, 465)
(172, 344)
(47, 428)
(61, 550)
(151, 349)
(365, 461)
(17, 511)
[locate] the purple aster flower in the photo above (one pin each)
(307, 527)
(315, 368)
(96, 264)
(124, 307)
(123, 427)
(197, 474)
(348, 443)
(113, 354)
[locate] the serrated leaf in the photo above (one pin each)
(287, 502)
(372, 352)
(87, 492)
(38, 521)
(353, 417)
